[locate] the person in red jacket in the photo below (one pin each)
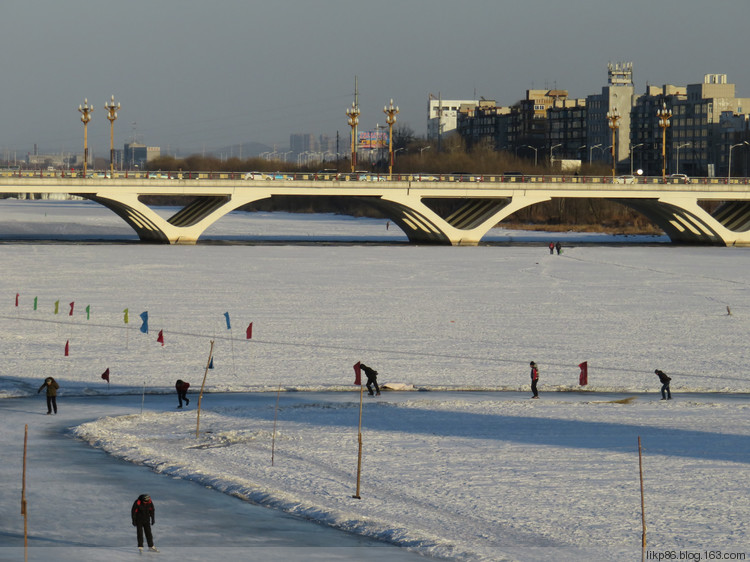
(534, 379)
(182, 388)
(143, 516)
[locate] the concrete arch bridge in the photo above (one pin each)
(478, 202)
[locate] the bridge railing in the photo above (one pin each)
(328, 176)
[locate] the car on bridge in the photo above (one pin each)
(678, 178)
(625, 179)
(256, 176)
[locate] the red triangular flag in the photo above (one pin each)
(16, 299)
(583, 378)
(357, 374)
(71, 308)
(105, 375)
(249, 331)
(160, 338)
(67, 347)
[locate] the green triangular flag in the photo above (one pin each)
(126, 315)
(57, 306)
(88, 312)
(35, 300)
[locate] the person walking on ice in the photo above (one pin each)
(666, 394)
(52, 387)
(534, 379)
(182, 387)
(143, 516)
(372, 379)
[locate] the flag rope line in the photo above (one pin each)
(359, 349)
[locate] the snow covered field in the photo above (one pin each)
(486, 476)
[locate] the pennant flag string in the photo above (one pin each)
(144, 326)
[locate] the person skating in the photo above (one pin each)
(372, 379)
(143, 516)
(52, 387)
(666, 394)
(182, 387)
(534, 379)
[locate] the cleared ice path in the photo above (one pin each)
(79, 500)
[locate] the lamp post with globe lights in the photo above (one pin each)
(353, 120)
(86, 111)
(390, 118)
(111, 108)
(614, 122)
(664, 116)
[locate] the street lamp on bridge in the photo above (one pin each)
(632, 149)
(729, 168)
(353, 120)
(614, 122)
(591, 149)
(536, 152)
(86, 111)
(664, 116)
(677, 150)
(111, 108)
(390, 118)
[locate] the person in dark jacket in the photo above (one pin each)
(182, 388)
(666, 394)
(143, 516)
(52, 387)
(372, 379)
(534, 379)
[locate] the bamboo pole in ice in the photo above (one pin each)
(200, 396)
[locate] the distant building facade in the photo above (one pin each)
(136, 155)
(708, 123)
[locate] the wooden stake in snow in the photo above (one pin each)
(203, 384)
(275, 414)
(643, 508)
(359, 454)
(23, 498)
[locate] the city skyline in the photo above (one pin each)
(193, 77)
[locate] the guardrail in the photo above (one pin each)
(361, 176)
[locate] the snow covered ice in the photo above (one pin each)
(479, 475)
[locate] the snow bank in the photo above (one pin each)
(471, 479)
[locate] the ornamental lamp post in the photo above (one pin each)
(111, 108)
(86, 111)
(390, 118)
(664, 116)
(353, 120)
(614, 122)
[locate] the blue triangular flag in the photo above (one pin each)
(144, 326)
(211, 364)
(229, 326)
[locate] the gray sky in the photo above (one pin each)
(192, 74)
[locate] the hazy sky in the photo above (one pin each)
(192, 74)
